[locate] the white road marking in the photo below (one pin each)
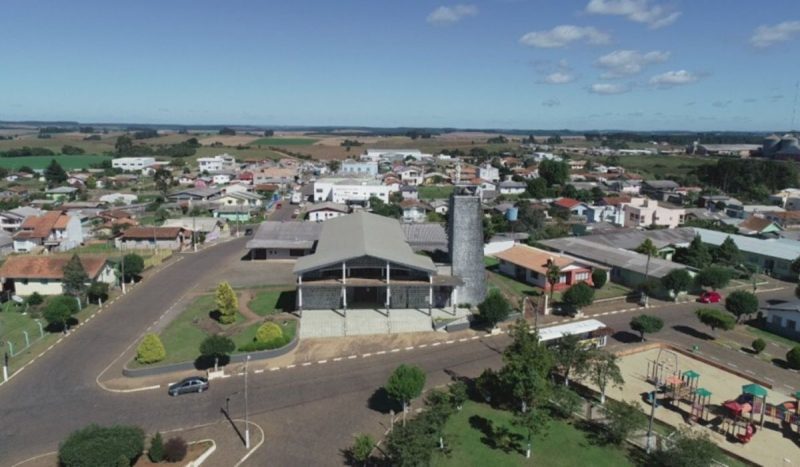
(337, 359)
(448, 342)
(410, 348)
(352, 357)
(435, 344)
(290, 366)
(732, 365)
(322, 362)
(463, 339)
(473, 338)
(274, 369)
(306, 363)
(366, 355)
(258, 371)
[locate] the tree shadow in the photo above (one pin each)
(780, 363)
(61, 327)
(205, 362)
(747, 350)
(215, 315)
(775, 301)
(595, 431)
(380, 402)
(625, 337)
(496, 437)
(690, 331)
(286, 301)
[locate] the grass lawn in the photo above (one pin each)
(490, 261)
(768, 336)
(13, 323)
(266, 302)
(273, 141)
(435, 192)
(40, 162)
(562, 445)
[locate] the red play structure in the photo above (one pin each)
(740, 413)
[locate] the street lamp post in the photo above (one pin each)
(246, 424)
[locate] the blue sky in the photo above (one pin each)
(588, 64)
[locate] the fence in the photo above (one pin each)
(19, 334)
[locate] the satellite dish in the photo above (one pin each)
(17, 299)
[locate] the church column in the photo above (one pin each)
(344, 287)
(300, 293)
(388, 288)
(430, 294)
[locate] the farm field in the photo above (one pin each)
(663, 165)
(40, 162)
(278, 141)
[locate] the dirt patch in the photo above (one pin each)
(195, 450)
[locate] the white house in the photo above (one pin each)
(324, 211)
(221, 178)
(511, 188)
(410, 176)
(392, 154)
(113, 198)
(23, 275)
(354, 167)
(11, 220)
(487, 172)
(414, 210)
(219, 163)
(350, 190)
(132, 164)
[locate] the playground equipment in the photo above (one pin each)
(683, 388)
(741, 412)
(700, 400)
(664, 366)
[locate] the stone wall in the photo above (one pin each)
(465, 234)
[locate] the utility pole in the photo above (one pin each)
(194, 232)
(246, 424)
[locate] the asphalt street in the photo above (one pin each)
(308, 413)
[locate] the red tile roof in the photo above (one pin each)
(533, 259)
(616, 200)
(41, 226)
(566, 203)
(47, 267)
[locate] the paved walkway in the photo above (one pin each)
(360, 322)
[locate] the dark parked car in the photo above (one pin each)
(191, 384)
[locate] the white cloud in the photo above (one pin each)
(558, 77)
(608, 88)
(551, 103)
(641, 11)
(673, 78)
(628, 62)
(451, 14)
(765, 36)
(564, 35)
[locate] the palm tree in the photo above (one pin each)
(646, 248)
(553, 276)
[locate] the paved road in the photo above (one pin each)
(284, 213)
(309, 413)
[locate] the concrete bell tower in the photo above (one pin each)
(465, 236)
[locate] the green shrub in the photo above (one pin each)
(35, 299)
(793, 358)
(269, 332)
(175, 449)
(599, 278)
(150, 350)
(256, 346)
(156, 451)
(759, 345)
(97, 291)
(70, 303)
(96, 445)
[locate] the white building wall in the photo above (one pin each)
(319, 216)
(132, 163)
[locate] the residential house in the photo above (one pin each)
(53, 230)
(149, 238)
(572, 206)
(511, 188)
(644, 212)
(661, 190)
(440, 206)
(609, 209)
(743, 211)
(132, 164)
(528, 264)
(119, 198)
(11, 220)
(758, 226)
(783, 319)
(219, 163)
(26, 275)
(488, 172)
(195, 195)
(770, 256)
(409, 192)
(61, 193)
(626, 187)
(576, 164)
(414, 210)
(222, 178)
(206, 229)
(324, 211)
(242, 198)
(788, 199)
(354, 167)
(410, 175)
(785, 219)
(347, 190)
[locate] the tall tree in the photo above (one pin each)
(677, 281)
(646, 324)
(75, 277)
(554, 172)
(716, 319)
(696, 255)
(578, 296)
(571, 356)
(405, 383)
(604, 371)
(54, 174)
(716, 277)
(741, 303)
(553, 276)
(494, 308)
(123, 145)
(727, 253)
(527, 364)
(163, 179)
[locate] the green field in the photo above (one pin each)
(435, 192)
(283, 142)
(561, 445)
(82, 161)
(664, 166)
(266, 303)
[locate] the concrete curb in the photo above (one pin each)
(203, 457)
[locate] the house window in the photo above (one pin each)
(791, 324)
(562, 279)
(777, 320)
(582, 276)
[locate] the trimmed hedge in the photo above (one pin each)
(268, 332)
(96, 445)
